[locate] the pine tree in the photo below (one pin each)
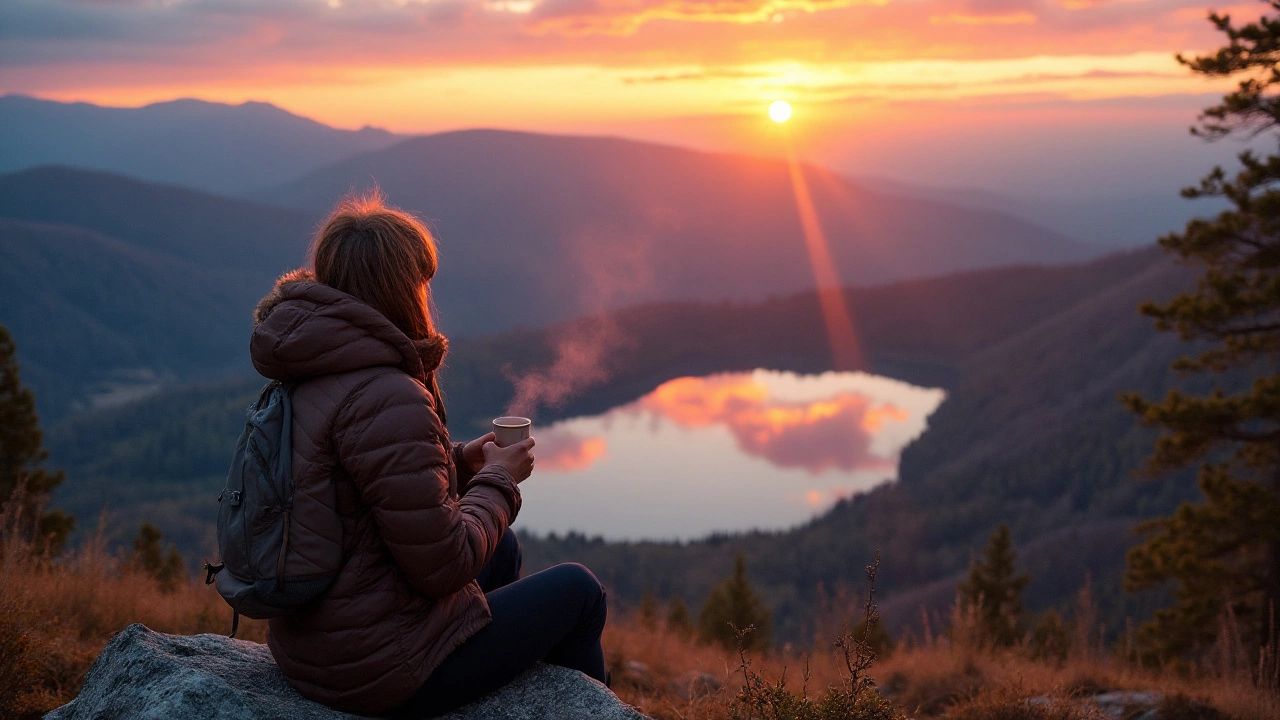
(994, 590)
(169, 570)
(1224, 550)
(22, 480)
(734, 603)
(678, 618)
(647, 615)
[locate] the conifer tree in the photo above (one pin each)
(1224, 550)
(169, 570)
(678, 618)
(994, 590)
(22, 480)
(734, 603)
(648, 612)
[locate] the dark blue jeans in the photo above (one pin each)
(554, 616)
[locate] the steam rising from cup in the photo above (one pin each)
(615, 271)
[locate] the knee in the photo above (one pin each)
(585, 585)
(578, 576)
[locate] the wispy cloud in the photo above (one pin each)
(625, 17)
(541, 64)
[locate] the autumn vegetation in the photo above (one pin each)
(1211, 653)
(56, 616)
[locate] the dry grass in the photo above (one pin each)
(55, 617)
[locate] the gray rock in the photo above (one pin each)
(1129, 703)
(144, 674)
(637, 673)
(694, 684)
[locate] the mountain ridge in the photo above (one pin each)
(1046, 470)
(235, 248)
(642, 222)
(210, 146)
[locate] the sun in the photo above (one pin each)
(780, 111)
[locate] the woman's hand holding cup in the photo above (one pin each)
(473, 452)
(516, 458)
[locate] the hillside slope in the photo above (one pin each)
(540, 228)
(99, 320)
(112, 286)
(233, 249)
(1031, 433)
(228, 149)
(196, 227)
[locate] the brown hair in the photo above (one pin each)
(384, 257)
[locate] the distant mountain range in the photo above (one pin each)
(1131, 218)
(1031, 433)
(227, 149)
(242, 150)
(540, 227)
(533, 230)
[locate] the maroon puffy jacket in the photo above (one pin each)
(367, 441)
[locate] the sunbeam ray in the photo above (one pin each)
(846, 351)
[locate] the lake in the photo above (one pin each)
(725, 452)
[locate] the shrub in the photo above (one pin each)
(1050, 639)
(855, 699)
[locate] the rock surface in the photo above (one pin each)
(145, 674)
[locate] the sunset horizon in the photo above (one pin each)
(948, 82)
(586, 359)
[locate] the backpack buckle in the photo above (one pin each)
(211, 572)
(233, 496)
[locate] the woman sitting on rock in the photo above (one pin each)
(428, 612)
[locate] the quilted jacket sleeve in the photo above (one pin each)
(391, 442)
(465, 473)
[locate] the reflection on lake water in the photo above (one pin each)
(727, 452)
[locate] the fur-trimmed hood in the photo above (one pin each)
(304, 328)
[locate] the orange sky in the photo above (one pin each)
(697, 72)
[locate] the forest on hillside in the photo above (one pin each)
(1013, 342)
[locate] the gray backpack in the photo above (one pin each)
(254, 513)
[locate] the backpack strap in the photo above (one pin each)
(284, 545)
(235, 622)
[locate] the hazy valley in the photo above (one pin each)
(687, 264)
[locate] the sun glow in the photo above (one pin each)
(780, 111)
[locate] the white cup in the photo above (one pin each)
(510, 430)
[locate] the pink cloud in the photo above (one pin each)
(128, 43)
(835, 432)
(563, 451)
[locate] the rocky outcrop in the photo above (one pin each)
(144, 674)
